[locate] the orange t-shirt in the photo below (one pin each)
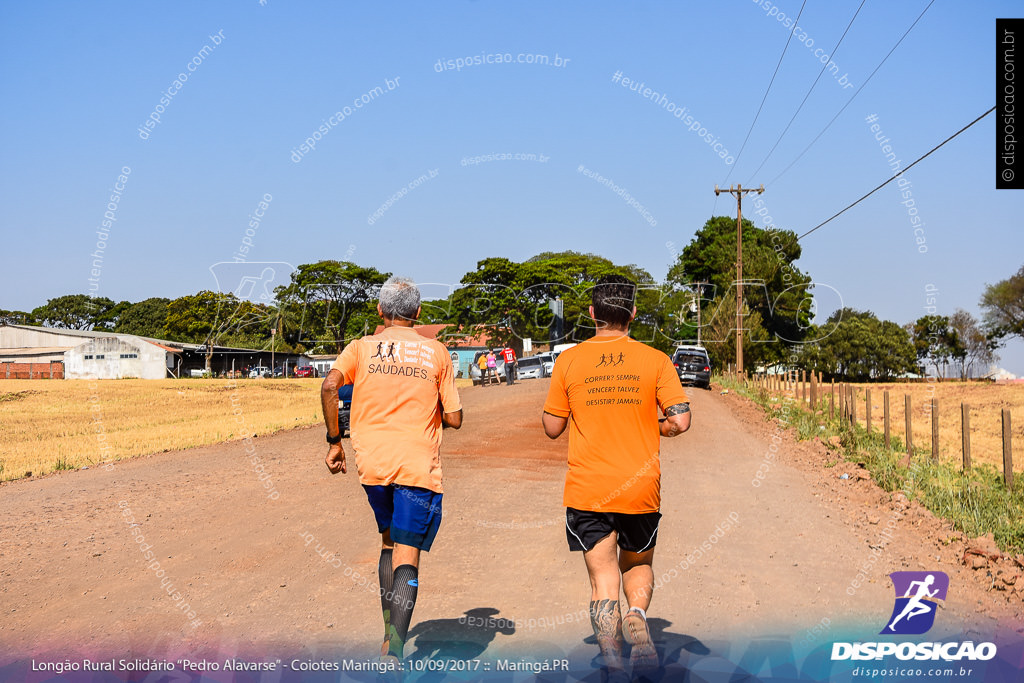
(611, 389)
(401, 383)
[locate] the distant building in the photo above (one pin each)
(321, 362)
(88, 354)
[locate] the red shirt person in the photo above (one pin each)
(510, 365)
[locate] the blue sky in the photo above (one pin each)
(79, 79)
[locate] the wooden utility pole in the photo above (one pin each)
(739, 192)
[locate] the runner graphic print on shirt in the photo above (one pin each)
(411, 359)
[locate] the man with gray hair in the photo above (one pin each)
(402, 398)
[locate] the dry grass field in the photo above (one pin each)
(67, 424)
(46, 425)
(986, 401)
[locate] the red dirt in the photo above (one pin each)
(73, 580)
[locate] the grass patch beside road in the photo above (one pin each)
(975, 503)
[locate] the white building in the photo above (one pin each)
(86, 353)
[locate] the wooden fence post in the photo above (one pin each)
(885, 415)
(832, 399)
(909, 427)
(853, 406)
(935, 429)
(965, 433)
(1007, 450)
(814, 391)
(867, 409)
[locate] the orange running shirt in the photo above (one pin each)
(611, 389)
(401, 383)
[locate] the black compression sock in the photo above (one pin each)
(385, 573)
(403, 600)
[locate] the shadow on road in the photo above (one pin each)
(683, 658)
(463, 638)
(670, 645)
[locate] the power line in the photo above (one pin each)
(808, 94)
(767, 90)
(921, 158)
(829, 124)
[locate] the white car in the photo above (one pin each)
(548, 359)
(531, 367)
(259, 372)
(690, 347)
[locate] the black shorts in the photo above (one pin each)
(637, 533)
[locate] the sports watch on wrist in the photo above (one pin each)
(333, 439)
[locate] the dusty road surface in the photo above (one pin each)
(296, 573)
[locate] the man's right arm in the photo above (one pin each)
(447, 393)
(329, 400)
(453, 420)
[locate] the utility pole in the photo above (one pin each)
(739, 191)
(696, 304)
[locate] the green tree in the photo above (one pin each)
(975, 345)
(1002, 305)
(16, 318)
(856, 346)
(108, 319)
(218, 319)
(510, 301)
(935, 341)
(486, 304)
(773, 287)
(73, 311)
(335, 300)
(719, 333)
(194, 317)
(147, 318)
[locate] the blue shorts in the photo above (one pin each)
(413, 514)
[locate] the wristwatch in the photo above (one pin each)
(333, 439)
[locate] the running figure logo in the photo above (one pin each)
(917, 594)
(611, 360)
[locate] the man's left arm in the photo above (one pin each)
(553, 424)
(676, 421)
(448, 401)
(673, 401)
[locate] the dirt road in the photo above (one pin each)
(780, 557)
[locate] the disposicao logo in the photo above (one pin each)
(913, 613)
(917, 596)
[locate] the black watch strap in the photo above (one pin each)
(333, 439)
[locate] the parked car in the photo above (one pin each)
(531, 367)
(305, 371)
(344, 408)
(474, 368)
(259, 371)
(693, 366)
(279, 372)
(691, 346)
(548, 358)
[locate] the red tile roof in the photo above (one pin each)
(456, 340)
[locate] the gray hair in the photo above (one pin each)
(399, 298)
